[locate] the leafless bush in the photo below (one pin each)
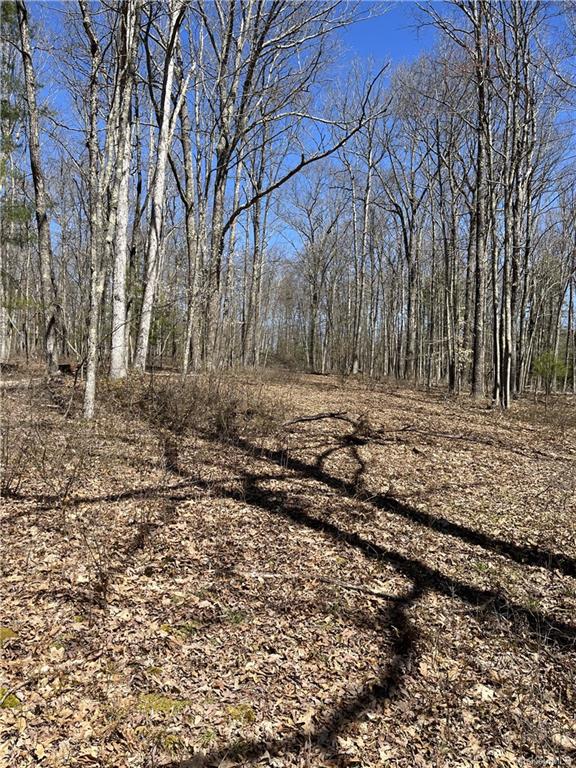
(215, 406)
(50, 468)
(15, 449)
(560, 412)
(48, 462)
(97, 557)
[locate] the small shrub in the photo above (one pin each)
(32, 455)
(549, 368)
(215, 406)
(15, 448)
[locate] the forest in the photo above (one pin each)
(206, 185)
(288, 383)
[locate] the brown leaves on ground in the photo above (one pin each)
(394, 586)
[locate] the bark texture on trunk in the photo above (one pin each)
(51, 309)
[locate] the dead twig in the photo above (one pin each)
(341, 415)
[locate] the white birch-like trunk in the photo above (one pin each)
(105, 178)
(157, 199)
(119, 349)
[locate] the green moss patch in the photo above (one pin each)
(9, 701)
(243, 713)
(189, 627)
(6, 634)
(235, 617)
(207, 737)
(171, 743)
(185, 629)
(155, 671)
(156, 702)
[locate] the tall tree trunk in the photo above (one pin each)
(481, 71)
(168, 116)
(51, 309)
(119, 348)
(129, 35)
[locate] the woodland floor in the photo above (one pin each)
(392, 587)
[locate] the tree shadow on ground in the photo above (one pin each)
(395, 622)
(394, 619)
(525, 555)
(280, 503)
(530, 626)
(354, 489)
(542, 627)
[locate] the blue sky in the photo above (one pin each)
(394, 36)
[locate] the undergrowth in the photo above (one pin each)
(212, 405)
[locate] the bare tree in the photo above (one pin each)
(167, 117)
(51, 308)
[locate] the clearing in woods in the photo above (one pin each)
(390, 583)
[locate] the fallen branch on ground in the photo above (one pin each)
(342, 415)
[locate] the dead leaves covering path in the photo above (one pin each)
(390, 588)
